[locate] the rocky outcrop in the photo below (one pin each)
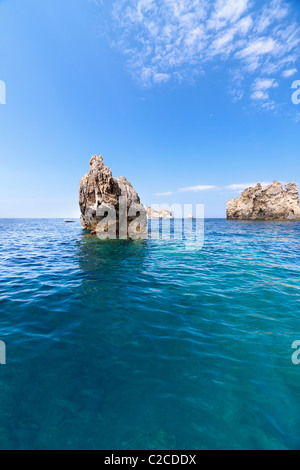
(160, 214)
(99, 190)
(271, 203)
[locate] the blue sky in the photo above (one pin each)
(190, 100)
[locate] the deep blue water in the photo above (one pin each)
(146, 345)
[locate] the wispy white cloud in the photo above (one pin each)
(196, 189)
(169, 193)
(272, 12)
(289, 73)
(261, 88)
(168, 40)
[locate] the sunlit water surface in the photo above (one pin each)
(149, 345)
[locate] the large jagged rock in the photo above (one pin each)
(99, 189)
(160, 214)
(271, 203)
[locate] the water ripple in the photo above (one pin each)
(146, 345)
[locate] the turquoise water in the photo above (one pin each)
(145, 345)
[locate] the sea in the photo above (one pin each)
(152, 345)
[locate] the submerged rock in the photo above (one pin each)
(160, 214)
(99, 192)
(271, 203)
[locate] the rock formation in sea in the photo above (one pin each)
(99, 191)
(271, 203)
(160, 214)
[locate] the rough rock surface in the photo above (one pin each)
(271, 203)
(161, 214)
(99, 188)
